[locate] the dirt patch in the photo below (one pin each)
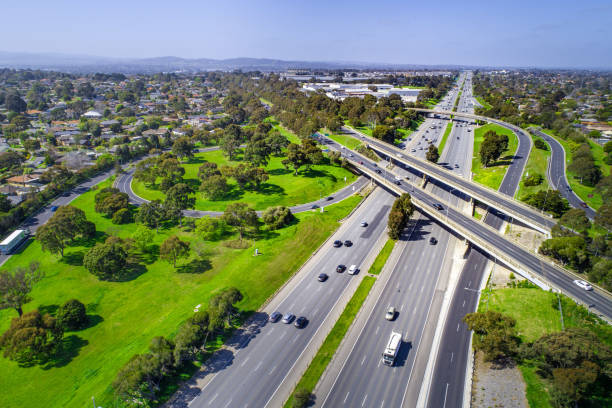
(498, 387)
(524, 236)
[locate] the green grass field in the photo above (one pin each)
(535, 316)
(536, 164)
(345, 140)
(484, 103)
(493, 175)
(319, 363)
(381, 258)
(447, 132)
(127, 315)
(283, 188)
(586, 193)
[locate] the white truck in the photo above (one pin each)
(392, 348)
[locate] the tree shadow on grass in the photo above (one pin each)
(73, 258)
(51, 309)
(264, 234)
(131, 271)
(195, 266)
(70, 348)
(92, 320)
(194, 160)
(150, 255)
(279, 172)
(269, 189)
(314, 173)
(99, 236)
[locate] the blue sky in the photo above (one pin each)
(500, 33)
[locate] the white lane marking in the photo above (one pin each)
(258, 365)
(414, 311)
(319, 288)
(293, 304)
(213, 398)
(401, 307)
(452, 356)
(382, 404)
(422, 288)
(377, 329)
(379, 361)
(294, 339)
(272, 370)
(397, 287)
(347, 394)
(445, 393)
(269, 332)
(363, 360)
(315, 311)
(309, 285)
(245, 361)
(364, 400)
(470, 284)
(283, 335)
(463, 303)
(457, 326)
(228, 402)
(410, 286)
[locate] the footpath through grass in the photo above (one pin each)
(536, 164)
(381, 258)
(449, 128)
(125, 316)
(319, 363)
(493, 175)
(535, 313)
(586, 193)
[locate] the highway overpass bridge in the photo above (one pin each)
(526, 263)
(507, 205)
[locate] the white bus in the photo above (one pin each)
(393, 346)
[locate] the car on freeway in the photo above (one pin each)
(378, 171)
(583, 204)
(288, 318)
(353, 270)
(322, 277)
(337, 243)
(433, 241)
(363, 224)
(350, 154)
(274, 317)
(300, 322)
(413, 150)
(584, 285)
(54, 208)
(438, 206)
(390, 315)
(398, 182)
(456, 166)
(348, 243)
(314, 207)
(340, 268)
(330, 198)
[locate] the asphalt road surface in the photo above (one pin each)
(557, 176)
(412, 288)
(251, 376)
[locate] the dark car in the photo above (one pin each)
(348, 243)
(438, 206)
(398, 182)
(322, 277)
(330, 198)
(337, 243)
(274, 317)
(584, 205)
(378, 171)
(54, 208)
(300, 322)
(433, 241)
(314, 207)
(340, 268)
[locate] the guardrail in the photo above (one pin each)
(533, 217)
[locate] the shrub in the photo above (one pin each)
(71, 315)
(277, 217)
(122, 216)
(540, 144)
(533, 180)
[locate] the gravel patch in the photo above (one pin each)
(495, 387)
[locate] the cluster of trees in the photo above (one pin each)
(301, 155)
(572, 245)
(550, 200)
(492, 147)
(400, 213)
(66, 225)
(107, 260)
(432, 154)
(165, 166)
(138, 381)
(583, 165)
(113, 204)
(577, 363)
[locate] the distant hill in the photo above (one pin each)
(87, 64)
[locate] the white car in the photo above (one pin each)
(390, 315)
(353, 270)
(584, 285)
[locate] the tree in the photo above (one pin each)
(257, 151)
(66, 224)
(240, 216)
(540, 144)
(138, 380)
(295, 156)
(211, 229)
(231, 140)
(384, 133)
(151, 214)
(142, 238)
(173, 249)
(106, 260)
(495, 334)
(214, 187)
(301, 398)
(432, 153)
(15, 287)
(183, 147)
(208, 169)
(550, 200)
(575, 219)
(492, 147)
(277, 217)
(277, 142)
(72, 315)
(603, 217)
(31, 338)
(399, 215)
(568, 250)
(5, 203)
(122, 216)
(14, 103)
(110, 200)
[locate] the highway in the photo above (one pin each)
(415, 288)
(557, 177)
(251, 375)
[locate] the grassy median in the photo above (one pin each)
(493, 175)
(536, 164)
(447, 132)
(330, 345)
(382, 257)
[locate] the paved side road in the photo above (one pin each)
(557, 176)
